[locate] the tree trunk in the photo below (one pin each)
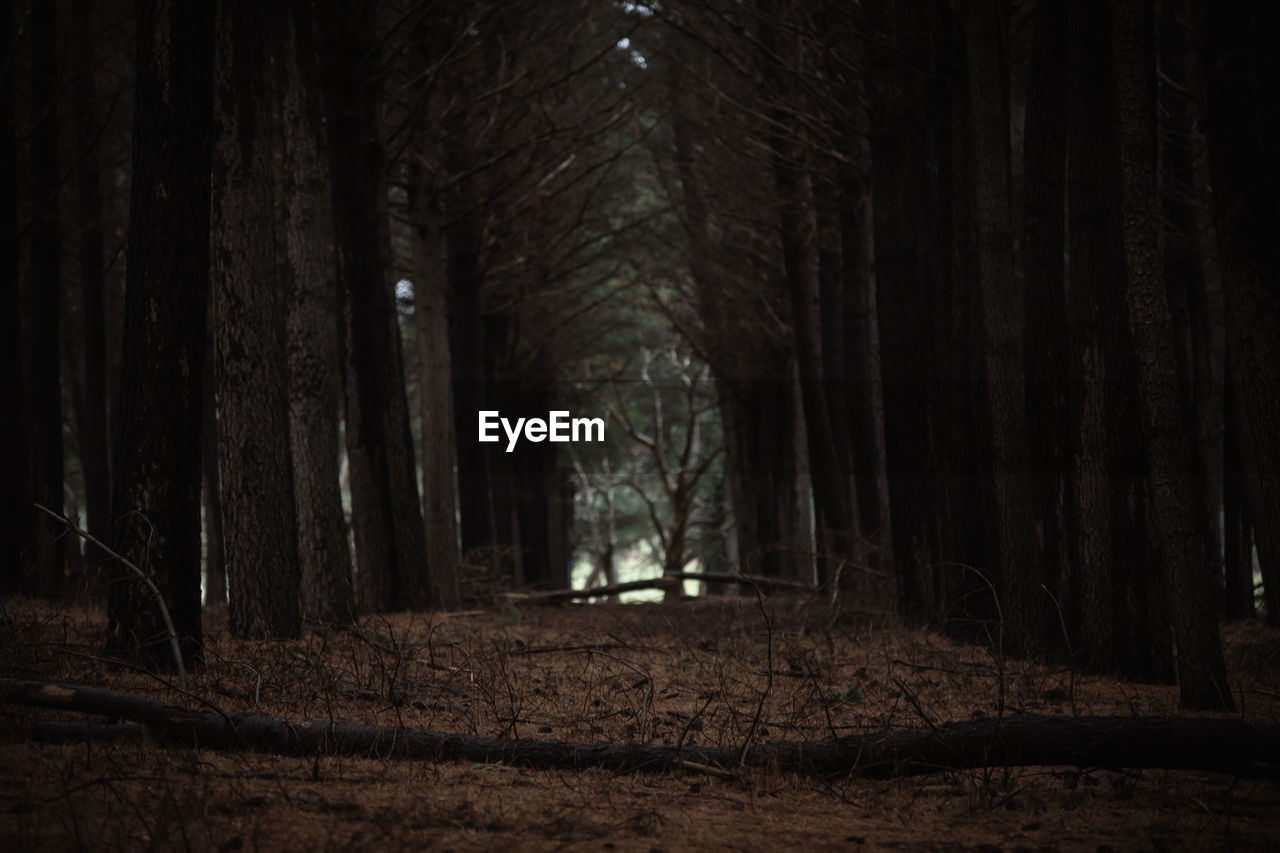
(1115, 605)
(831, 480)
(435, 389)
(324, 552)
(386, 515)
(862, 326)
(156, 488)
(829, 459)
(1182, 264)
(1237, 542)
(93, 429)
(215, 563)
(1045, 299)
(1180, 533)
(1017, 564)
(1243, 134)
(466, 347)
(758, 422)
(43, 289)
(17, 515)
(260, 528)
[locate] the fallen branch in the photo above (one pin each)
(146, 580)
(668, 582)
(1220, 745)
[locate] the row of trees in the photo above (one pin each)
(289, 162)
(992, 230)
(930, 289)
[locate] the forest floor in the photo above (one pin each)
(690, 671)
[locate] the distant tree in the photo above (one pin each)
(675, 427)
(431, 311)
(156, 487)
(215, 563)
(924, 292)
(391, 570)
(17, 515)
(830, 463)
(734, 295)
(1243, 133)
(44, 288)
(1045, 294)
(91, 414)
(1015, 558)
(260, 534)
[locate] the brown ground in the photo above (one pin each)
(697, 670)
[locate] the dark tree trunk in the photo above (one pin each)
(1237, 540)
(1016, 563)
(1244, 132)
(156, 488)
(910, 401)
(17, 515)
(386, 514)
(93, 429)
(1182, 264)
(324, 552)
(1044, 240)
(758, 422)
(466, 342)
(1115, 602)
(435, 388)
(832, 332)
(402, 469)
(1180, 533)
(260, 533)
(928, 426)
(43, 289)
(829, 459)
(215, 564)
(830, 478)
(861, 321)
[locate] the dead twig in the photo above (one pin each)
(155, 590)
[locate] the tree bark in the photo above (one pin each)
(1017, 565)
(1243, 134)
(431, 311)
(44, 289)
(17, 515)
(1116, 604)
(1182, 265)
(156, 488)
(260, 532)
(829, 459)
(215, 563)
(1203, 744)
(1044, 258)
(314, 371)
(93, 432)
(862, 326)
(1181, 537)
(1238, 598)
(386, 514)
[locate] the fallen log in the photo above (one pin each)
(1180, 743)
(670, 582)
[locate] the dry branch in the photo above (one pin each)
(1220, 745)
(668, 581)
